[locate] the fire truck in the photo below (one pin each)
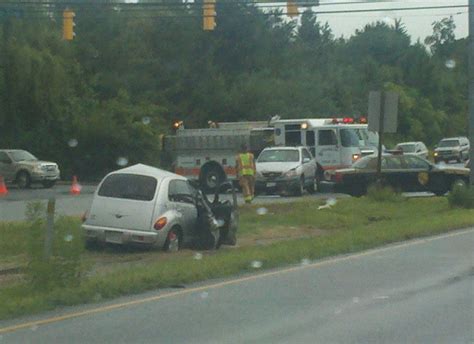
(208, 154)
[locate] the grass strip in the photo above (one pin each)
(352, 225)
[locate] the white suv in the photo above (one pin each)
(413, 148)
(453, 148)
(286, 170)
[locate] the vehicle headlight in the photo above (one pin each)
(435, 154)
(37, 169)
(291, 173)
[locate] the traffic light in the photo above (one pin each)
(209, 15)
(68, 25)
(292, 9)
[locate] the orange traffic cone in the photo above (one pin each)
(75, 187)
(3, 188)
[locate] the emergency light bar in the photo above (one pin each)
(347, 120)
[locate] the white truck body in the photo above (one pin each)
(209, 154)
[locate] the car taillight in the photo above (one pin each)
(355, 157)
(160, 223)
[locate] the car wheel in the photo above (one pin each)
(300, 187)
(173, 240)
(458, 183)
(313, 186)
(23, 180)
(48, 184)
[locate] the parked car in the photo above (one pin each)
(406, 173)
(286, 170)
(23, 168)
(413, 148)
(145, 205)
(453, 148)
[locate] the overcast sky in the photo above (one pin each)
(417, 22)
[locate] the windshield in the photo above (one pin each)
(406, 148)
(350, 138)
(449, 143)
(22, 156)
(279, 155)
(363, 163)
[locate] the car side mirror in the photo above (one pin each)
(306, 160)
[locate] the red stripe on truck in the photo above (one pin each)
(195, 171)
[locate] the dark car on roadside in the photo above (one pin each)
(405, 173)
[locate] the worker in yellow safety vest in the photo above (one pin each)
(245, 167)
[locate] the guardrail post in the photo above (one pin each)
(48, 242)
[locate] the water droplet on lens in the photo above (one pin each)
(220, 223)
(331, 201)
(146, 120)
(34, 327)
(262, 211)
(305, 261)
(97, 297)
(355, 300)
(122, 161)
(450, 64)
(68, 238)
(388, 21)
(204, 295)
(256, 264)
(72, 143)
(197, 256)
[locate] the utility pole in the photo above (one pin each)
(471, 88)
(381, 130)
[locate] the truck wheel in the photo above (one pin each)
(23, 180)
(211, 178)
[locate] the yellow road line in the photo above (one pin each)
(223, 284)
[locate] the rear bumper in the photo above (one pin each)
(123, 236)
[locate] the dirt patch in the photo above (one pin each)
(280, 233)
(109, 258)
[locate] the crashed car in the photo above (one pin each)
(149, 206)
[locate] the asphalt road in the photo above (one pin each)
(418, 292)
(14, 205)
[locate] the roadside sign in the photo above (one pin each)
(390, 111)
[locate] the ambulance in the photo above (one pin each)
(334, 142)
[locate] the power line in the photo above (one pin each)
(126, 12)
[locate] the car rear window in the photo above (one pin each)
(129, 186)
(408, 148)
